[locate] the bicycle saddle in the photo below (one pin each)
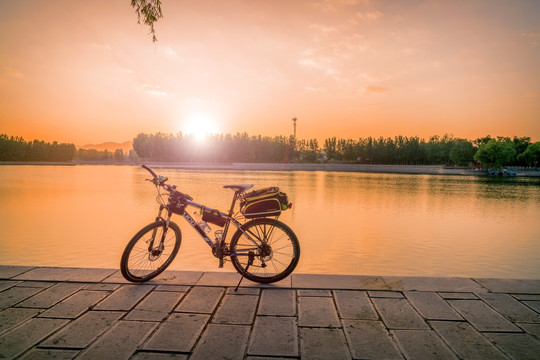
(238, 187)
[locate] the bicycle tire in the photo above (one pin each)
(140, 263)
(276, 253)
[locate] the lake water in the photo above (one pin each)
(347, 223)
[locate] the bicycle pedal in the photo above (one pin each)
(220, 263)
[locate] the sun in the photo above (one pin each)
(200, 125)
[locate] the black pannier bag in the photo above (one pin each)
(264, 202)
(177, 204)
(213, 217)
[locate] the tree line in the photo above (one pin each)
(241, 147)
(400, 150)
(15, 148)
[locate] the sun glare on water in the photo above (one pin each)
(200, 126)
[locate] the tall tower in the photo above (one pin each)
(294, 126)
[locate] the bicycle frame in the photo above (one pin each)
(191, 221)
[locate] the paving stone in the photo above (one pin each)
(511, 285)
(370, 340)
(533, 297)
(481, 316)
(385, 294)
(13, 316)
(22, 338)
(175, 288)
(125, 297)
(317, 312)
(466, 341)
(238, 310)
(221, 341)
(399, 314)
(75, 305)
(274, 336)
(319, 343)
(222, 279)
(510, 307)
(354, 305)
(533, 329)
(280, 302)
(15, 295)
(450, 284)
(535, 305)
(102, 287)
(7, 272)
(231, 279)
(65, 274)
(168, 277)
(345, 282)
(51, 296)
(518, 346)
(121, 340)
(422, 344)
(178, 333)
(36, 284)
(458, 296)
(243, 291)
(431, 306)
(201, 299)
(313, 292)
(6, 284)
(156, 306)
(55, 354)
(159, 356)
(81, 332)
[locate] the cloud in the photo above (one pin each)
(533, 35)
(322, 28)
(153, 90)
(369, 15)
(314, 89)
(11, 72)
(334, 5)
(169, 51)
(374, 89)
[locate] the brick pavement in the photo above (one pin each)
(63, 313)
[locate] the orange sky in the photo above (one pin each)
(85, 72)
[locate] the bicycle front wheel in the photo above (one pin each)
(272, 245)
(150, 251)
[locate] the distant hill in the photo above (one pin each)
(110, 146)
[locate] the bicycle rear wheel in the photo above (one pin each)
(274, 247)
(146, 255)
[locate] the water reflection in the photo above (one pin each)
(347, 223)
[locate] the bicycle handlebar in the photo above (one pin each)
(160, 181)
(150, 171)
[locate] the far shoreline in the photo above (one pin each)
(328, 167)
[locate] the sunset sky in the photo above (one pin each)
(85, 72)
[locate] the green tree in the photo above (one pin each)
(495, 153)
(150, 12)
(462, 152)
(531, 155)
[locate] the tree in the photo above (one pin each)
(531, 155)
(150, 12)
(495, 153)
(118, 155)
(462, 152)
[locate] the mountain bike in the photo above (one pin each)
(262, 249)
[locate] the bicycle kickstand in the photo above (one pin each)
(251, 257)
